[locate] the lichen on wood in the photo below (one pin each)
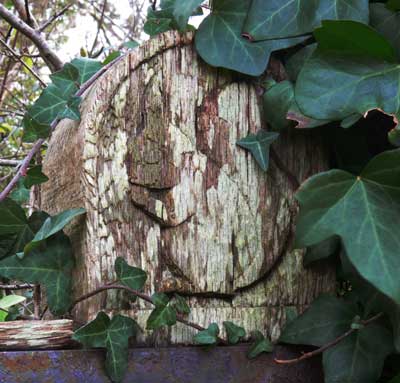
(154, 161)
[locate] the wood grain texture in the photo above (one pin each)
(35, 334)
(155, 164)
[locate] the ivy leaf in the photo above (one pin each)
(131, 44)
(34, 176)
(86, 67)
(386, 22)
(363, 211)
(111, 57)
(12, 217)
(155, 26)
(130, 276)
(208, 336)
(71, 109)
(180, 305)
(66, 80)
(163, 315)
(220, 43)
(51, 267)
(322, 250)
(394, 5)
(7, 302)
(333, 86)
(297, 60)
(359, 357)
(183, 10)
(352, 38)
(234, 332)
(20, 194)
(34, 130)
(260, 345)
(259, 144)
(287, 18)
(113, 335)
(53, 225)
(326, 319)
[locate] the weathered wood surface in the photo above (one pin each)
(155, 164)
(36, 334)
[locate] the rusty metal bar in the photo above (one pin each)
(159, 365)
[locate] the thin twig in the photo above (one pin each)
(38, 144)
(48, 55)
(143, 296)
(55, 17)
(9, 162)
(37, 298)
(329, 345)
(24, 286)
(18, 58)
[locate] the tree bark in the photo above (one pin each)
(154, 161)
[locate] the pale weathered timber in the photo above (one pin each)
(155, 164)
(36, 334)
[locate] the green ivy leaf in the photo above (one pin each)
(220, 43)
(86, 67)
(113, 335)
(53, 225)
(71, 109)
(259, 144)
(326, 319)
(394, 5)
(288, 18)
(131, 44)
(386, 22)
(34, 130)
(180, 305)
(51, 266)
(163, 315)
(234, 332)
(359, 357)
(7, 302)
(111, 57)
(66, 80)
(333, 86)
(34, 176)
(322, 250)
(363, 212)
(155, 26)
(130, 276)
(260, 345)
(208, 336)
(12, 217)
(183, 10)
(354, 39)
(20, 194)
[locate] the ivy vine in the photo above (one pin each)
(342, 63)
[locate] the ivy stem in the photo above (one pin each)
(143, 296)
(38, 144)
(329, 345)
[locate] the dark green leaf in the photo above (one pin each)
(258, 144)
(260, 345)
(183, 10)
(354, 39)
(208, 336)
(132, 44)
(163, 315)
(180, 305)
(394, 5)
(87, 68)
(288, 18)
(12, 217)
(326, 319)
(220, 43)
(234, 332)
(296, 61)
(66, 80)
(111, 57)
(155, 26)
(112, 334)
(34, 130)
(50, 267)
(359, 357)
(386, 22)
(322, 250)
(130, 276)
(34, 176)
(53, 225)
(71, 109)
(20, 194)
(334, 86)
(363, 211)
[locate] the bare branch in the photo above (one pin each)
(329, 345)
(9, 162)
(55, 17)
(18, 58)
(48, 55)
(24, 286)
